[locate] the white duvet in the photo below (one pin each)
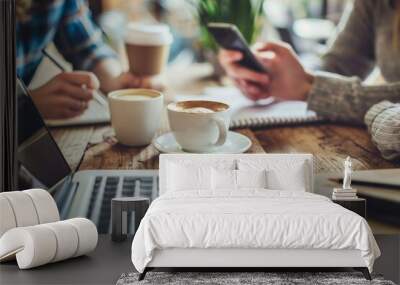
(250, 219)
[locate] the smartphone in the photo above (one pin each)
(229, 37)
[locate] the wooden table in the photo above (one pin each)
(329, 143)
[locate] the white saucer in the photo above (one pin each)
(235, 143)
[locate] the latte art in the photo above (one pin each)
(198, 107)
(198, 110)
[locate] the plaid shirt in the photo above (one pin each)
(68, 24)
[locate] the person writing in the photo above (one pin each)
(369, 37)
(68, 24)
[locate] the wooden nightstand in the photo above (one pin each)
(358, 206)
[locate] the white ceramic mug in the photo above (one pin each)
(199, 126)
(135, 115)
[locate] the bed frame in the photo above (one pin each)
(245, 258)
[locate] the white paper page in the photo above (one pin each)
(96, 113)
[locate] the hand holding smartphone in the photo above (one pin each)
(229, 37)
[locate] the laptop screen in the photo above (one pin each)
(41, 162)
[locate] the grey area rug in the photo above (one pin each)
(268, 278)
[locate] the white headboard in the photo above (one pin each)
(212, 158)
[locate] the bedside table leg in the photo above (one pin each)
(143, 274)
(364, 271)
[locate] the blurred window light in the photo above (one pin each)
(314, 29)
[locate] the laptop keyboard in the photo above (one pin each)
(96, 187)
(105, 188)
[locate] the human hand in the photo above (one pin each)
(123, 81)
(64, 96)
(289, 79)
(253, 84)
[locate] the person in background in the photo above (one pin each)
(68, 24)
(369, 37)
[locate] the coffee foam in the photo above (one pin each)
(133, 97)
(199, 110)
(198, 107)
(133, 94)
(148, 34)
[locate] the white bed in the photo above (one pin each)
(248, 227)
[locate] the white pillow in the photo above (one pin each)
(282, 174)
(251, 179)
(293, 180)
(181, 178)
(226, 179)
(223, 179)
(193, 174)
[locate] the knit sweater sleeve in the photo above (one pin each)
(352, 53)
(383, 121)
(347, 99)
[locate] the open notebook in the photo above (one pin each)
(246, 113)
(96, 113)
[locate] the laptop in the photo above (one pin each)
(85, 193)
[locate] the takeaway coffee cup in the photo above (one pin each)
(199, 126)
(135, 115)
(147, 48)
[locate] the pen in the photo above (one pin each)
(53, 60)
(96, 96)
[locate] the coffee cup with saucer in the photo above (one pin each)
(200, 127)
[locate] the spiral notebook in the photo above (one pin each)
(246, 113)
